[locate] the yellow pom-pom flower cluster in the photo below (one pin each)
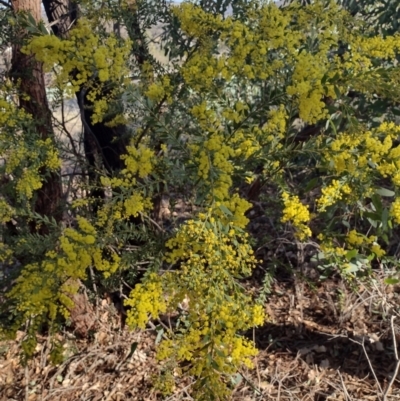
(331, 194)
(25, 154)
(237, 124)
(360, 241)
(214, 166)
(395, 210)
(81, 58)
(139, 164)
(360, 154)
(45, 288)
(146, 300)
(208, 256)
(298, 214)
(139, 161)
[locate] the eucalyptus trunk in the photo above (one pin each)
(28, 74)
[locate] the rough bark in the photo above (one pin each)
(29, 74)
(62, 14)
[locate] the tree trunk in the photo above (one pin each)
(103, 145)
(29, 74)
(62, 14)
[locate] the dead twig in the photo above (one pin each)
(396, 355)
(26, 382)
(92, 277)
(182, 390)
(251, 384)
(115, 388)
(346, 393)
(369, 362)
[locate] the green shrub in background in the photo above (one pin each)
(220, 117)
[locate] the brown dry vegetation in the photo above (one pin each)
(324, 340)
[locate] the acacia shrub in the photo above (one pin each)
(206, 124)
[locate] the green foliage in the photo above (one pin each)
(382, 17)
(220, 116)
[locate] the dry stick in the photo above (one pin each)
(281, 384)
(153, 222)
(396, 355)
(153, 327)
(346, 393)
(69, 135)
(370, 365)
(95, 291)
(369, 362)
(184, 389)
(26, 382)
(111, 393)
(250, 383)
(64, 365)
(45, 352)
(256, 359)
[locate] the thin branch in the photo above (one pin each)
(93, 137)
(153, 222)
(396, 355)
(369, 362)
(251, 384)
(346, 393)
(394, 337)
(26, 382)
(92, 277)
(69, 135)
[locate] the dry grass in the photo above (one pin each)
(322, 343)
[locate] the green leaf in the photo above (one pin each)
(225, 210)
(351, 254)
(43, 29)
(373, 216)
(385, 219)
(206, 340)
(133, 349)
(374, 223)
(352, 268)
(215, 366)
(346, 224)
(337, 92)
(391, 280)
(160, 333)
(311, 184)
(376, 201)
(236, 379)
(31, 19)
(385, 192)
